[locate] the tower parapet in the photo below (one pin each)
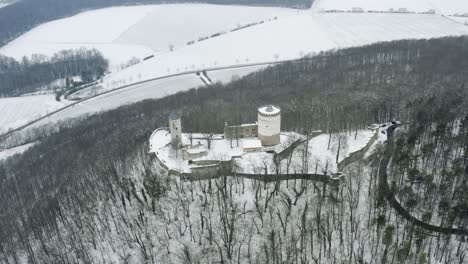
(269, 125)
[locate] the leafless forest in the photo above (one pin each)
(88, 191)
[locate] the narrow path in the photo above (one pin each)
(383, 187)
(27, 125)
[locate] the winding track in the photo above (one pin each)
(29, 124)
(383, 187)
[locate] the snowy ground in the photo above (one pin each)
(152, 90)
(137, 31)
(225, 76)
(220, 149)
(4, 154)
(94, 29)
(448, 7)
(4, 3)
(126, 32)
(459, 19)
(321, 155)
(290, 38)
(17, 111)
(180, 23)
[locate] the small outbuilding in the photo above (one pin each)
(195, 152)
(251, 145)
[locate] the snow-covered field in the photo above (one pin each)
(290, 38)
(448, 7)
(93, 29)
(156, 89)
(225, 76)
(17, 111)
(4, 3)
(178, 24)
(459, 19)
(4, 154)
(137, 31)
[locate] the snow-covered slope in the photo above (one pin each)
(178, 24)
(96, 29)
(4, 154)
(17, 111)
(4, 3)
(156, 89)
(448, 7)
(124, 32)
(138, 31)
(290, 38)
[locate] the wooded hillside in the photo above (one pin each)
(90, 193)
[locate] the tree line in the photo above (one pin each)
(31, 73)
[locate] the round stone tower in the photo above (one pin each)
(175, 127)
(269, 125)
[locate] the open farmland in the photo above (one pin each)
(284, 34)
(17, 111)
(121, 33)
(290, 38)
(163, 26)
(447, 7)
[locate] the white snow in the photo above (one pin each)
(152, 90)
(6, 3)
(93, 29)
(225, 76)
(177, 24)
(290, 38)
(4, 154)
(220, 150)
(17, 111)
(122, 33)
(440, 6)
(459, 19)
(323, 156)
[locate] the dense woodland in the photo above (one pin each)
(32, 73)
(89, 192)
(23, 15)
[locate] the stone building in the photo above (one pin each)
(269, 125)
(241, 131)
(175, 128)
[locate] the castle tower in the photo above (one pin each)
(175, 127)
(269, 125)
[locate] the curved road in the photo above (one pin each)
(383, 187)
(51, 114)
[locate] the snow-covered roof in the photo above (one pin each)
(251, 143)
(269, 110)
(196, 150)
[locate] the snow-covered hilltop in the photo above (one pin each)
(156, 41)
